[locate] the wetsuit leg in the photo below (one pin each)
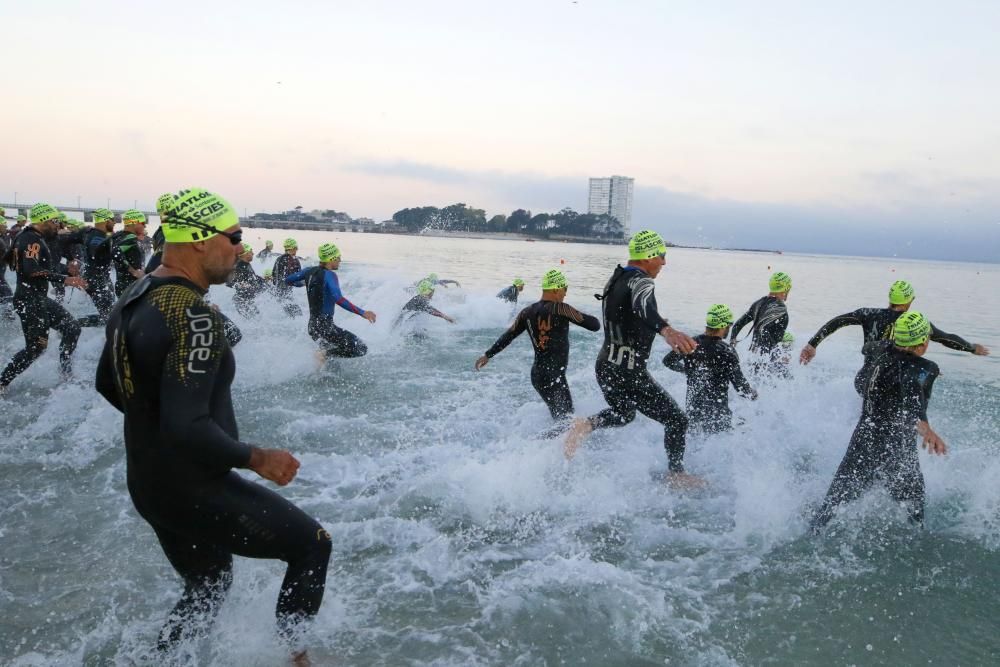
(905, 481)
(37, 317)
(552, 386)
(336, 342)
(58, 318)
(58, 292)
(246, 307)
(202, 529)
(621, 406)
(104, 300)
(854, 476)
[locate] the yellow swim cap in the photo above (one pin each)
(198, 215)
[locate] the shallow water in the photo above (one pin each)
(462, 538)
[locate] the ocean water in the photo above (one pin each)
(462, 538)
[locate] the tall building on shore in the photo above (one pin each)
(612, 195)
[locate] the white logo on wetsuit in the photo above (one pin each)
(201, 340)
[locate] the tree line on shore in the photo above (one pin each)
(462, 218)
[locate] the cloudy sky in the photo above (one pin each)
(849, 127)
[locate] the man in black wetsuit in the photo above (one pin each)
(770, 319)
(6, 294)
(66, 245)
(97, 266)
(421, 303)
(884, 443)
(285, 266)
(267, 251)
(511, 292)
(631, 324)
(710, 370)
(32, 262)
(246, 284)
(126, 251)
(167, 366)
(323, 292)
(547, 323)
(19, 224)
(878, 323)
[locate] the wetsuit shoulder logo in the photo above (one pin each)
(201, 326)
(32, 251)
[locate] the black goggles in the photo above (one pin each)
(236, 238)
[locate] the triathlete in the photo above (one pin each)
(511, 292)
(877, 324)
(163, 205)
(32, 263)
(66, 245)
(770, 319)
(884, 443)
(166, 365)
(421, 303)
(285, 266)
(126, 251)
(19, 224)
(6, 294)
(710, 369)
(267, 251)
(547, 323)
(323, 292)
(246, 284)
(631, 324)
(433, 279)
(97, 266)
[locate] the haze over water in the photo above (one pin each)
(461, 538)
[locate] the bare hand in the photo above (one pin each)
(981, 350)
(679, 340)
(370, 316)
(76, 281)
(482, 361)
(932, 441)
(451, 320)
(581, 429)
(137, 273)
(275, 465)
(73, 267)
(684, 481)
(807, 354)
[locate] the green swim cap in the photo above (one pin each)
(647, 244)
(554, 279)
(328, 252)
(247, 248)
(425, 288)
(198, 215)
(787, 339)
(134, 217)
(268, 273)
(73, 223)
(432, 278)
(911, 329)
(780, 282)
(43, 213)
(719, 316)
(62, 216)
(901, 293)
(269, 244)
(164, 203)
(21, 217)
(103, 215)
(290, 243)
(518, 282)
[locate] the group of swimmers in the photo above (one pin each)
(167, 365)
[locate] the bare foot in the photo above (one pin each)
(320, 358)
(581, 429)
(301, 659)
(685, 482)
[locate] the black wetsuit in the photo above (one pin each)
(285, 266)
(97, 273)
(631, 324)
(710, 369)
(509, 294)
(770, 320)
(547, 324)
(265, 253)
(323, 292)
(417, 304)
(154, 261)
(126, 254)
(6, 294)
(880, 324)
(167, 366)
(884, 444)
(38, 313)
(247, 285)
(64, 246)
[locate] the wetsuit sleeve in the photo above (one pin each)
(189, 373)
(736, 377)
(644, 303)
(674, 360)
(98, 247)
(840, 321)
(588, 322)
(919, 382)
(744, 320)
(508, 336)
(105, 380)
(951, 340)
(295, 279)
(332, 287)
(31, 264)
(446, 282)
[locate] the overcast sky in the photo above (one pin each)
(848, 127)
